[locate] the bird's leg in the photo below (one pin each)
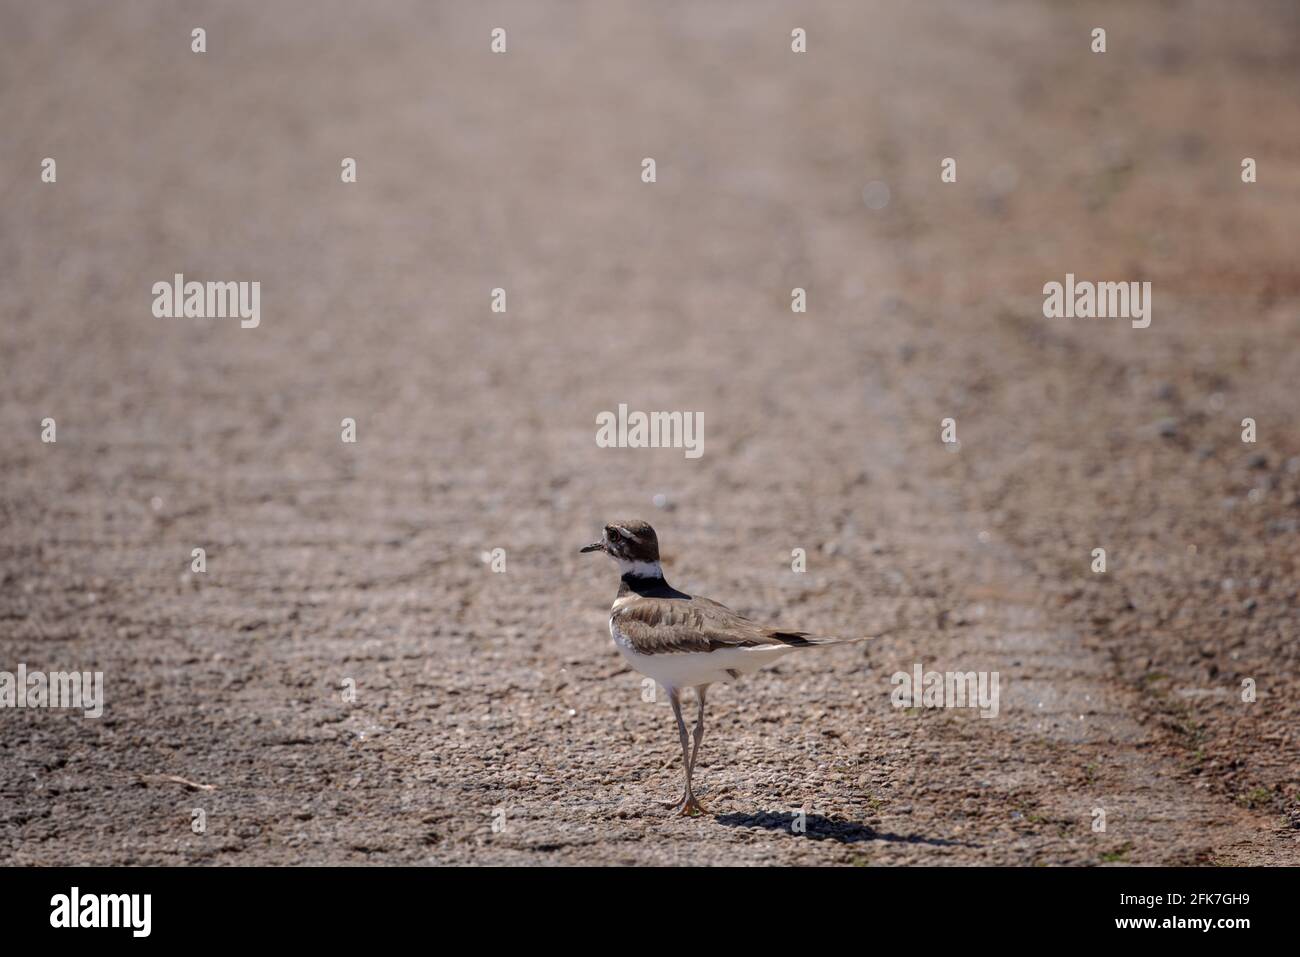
(689, 805)
(677, 710)
(699, 723)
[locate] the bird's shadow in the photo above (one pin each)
(817, 827)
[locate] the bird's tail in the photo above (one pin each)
(801, 639)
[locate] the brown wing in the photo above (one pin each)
(659, 626)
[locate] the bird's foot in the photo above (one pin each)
(688, 799)
(689, 806)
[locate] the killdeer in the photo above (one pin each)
(681, 640)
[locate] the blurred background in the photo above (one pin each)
(475, 430)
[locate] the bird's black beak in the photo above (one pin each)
(593, 547)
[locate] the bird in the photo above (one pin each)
(684, 641)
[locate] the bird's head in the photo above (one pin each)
(633, 544)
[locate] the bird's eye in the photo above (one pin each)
(613, 532)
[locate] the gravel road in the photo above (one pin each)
(349, 681)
